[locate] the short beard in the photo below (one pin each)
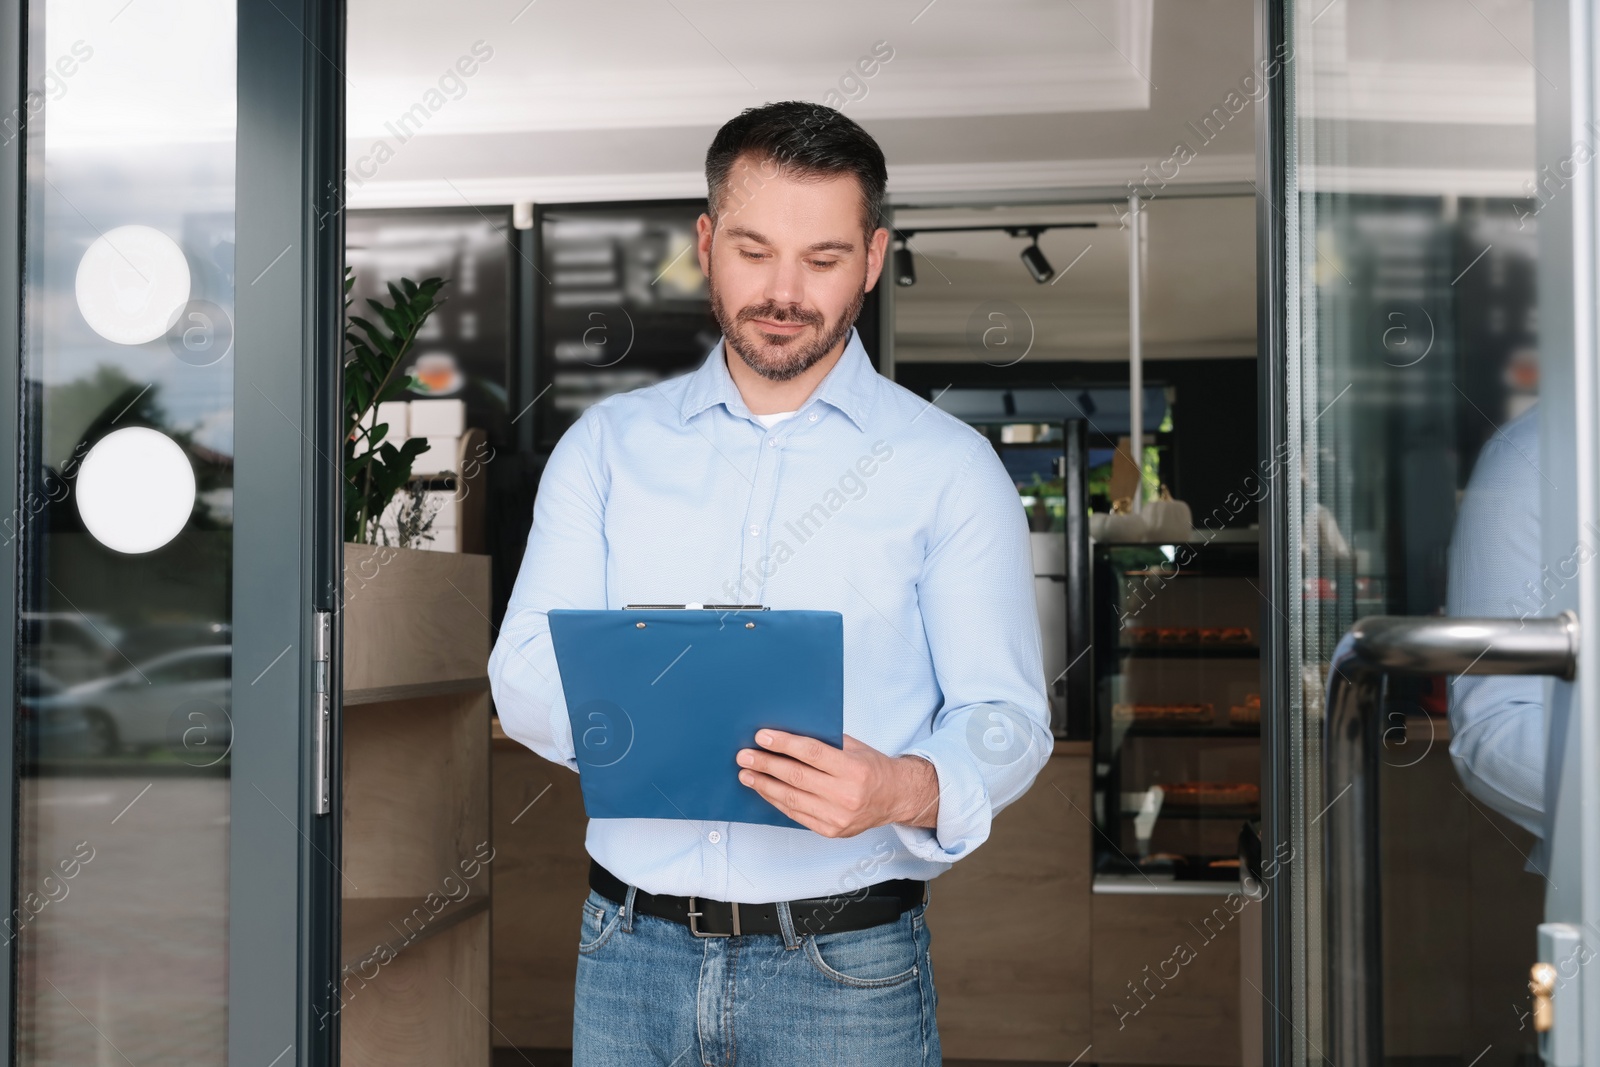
(769, 358)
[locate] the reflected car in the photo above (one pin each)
(71, 646)
(179, 700)
(52, 729)
(150, 640)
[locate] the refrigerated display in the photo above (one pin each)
(1177, 707)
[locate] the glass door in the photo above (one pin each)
(1427, 200)
(168, 544)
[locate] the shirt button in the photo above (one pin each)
(714, 836)
(772, 442)
(755, 531)
(812, 417)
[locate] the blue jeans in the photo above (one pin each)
(651, 993)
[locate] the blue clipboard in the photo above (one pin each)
(661, 700)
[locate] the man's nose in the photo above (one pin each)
(786, 284)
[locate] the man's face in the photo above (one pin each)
(788, 264)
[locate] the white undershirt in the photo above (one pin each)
(769, 421)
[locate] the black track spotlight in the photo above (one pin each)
(1038, 266)
(905, 271)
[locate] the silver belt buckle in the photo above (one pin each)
(694, 927)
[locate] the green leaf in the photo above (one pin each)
(375, 353)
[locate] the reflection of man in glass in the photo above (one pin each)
(1498, 723)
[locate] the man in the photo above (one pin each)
(1497, 723)
(786, 472)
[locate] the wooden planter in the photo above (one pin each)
(417, 850)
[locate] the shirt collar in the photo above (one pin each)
(851, 386)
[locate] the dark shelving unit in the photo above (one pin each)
(1178, 589)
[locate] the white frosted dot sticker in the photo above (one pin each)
(135, 490)
(132, 284)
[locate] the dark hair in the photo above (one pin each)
(800, 139)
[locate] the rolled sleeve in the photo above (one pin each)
(991, 736)
(564, 566)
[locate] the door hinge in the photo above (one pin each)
(323, 625)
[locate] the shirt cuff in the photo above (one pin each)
(964, 810)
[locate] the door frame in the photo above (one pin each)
(285, 862)
(283, 888)
(13, 69)
(1278, 966)
(1567, 51)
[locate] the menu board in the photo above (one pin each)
(622, 303)
(464, 349)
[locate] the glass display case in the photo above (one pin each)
(1177, 707)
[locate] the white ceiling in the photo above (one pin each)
(569, 65)
(1198, 284)
(585, 101)
(578, 101)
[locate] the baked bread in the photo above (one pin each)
(1211, 795)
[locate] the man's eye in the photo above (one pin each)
(747, 254)
(823, 264)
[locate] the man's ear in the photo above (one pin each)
(703, 228)
(877, 248)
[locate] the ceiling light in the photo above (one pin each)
(905, 271)
(1038, 266)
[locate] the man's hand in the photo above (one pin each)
(840, 792)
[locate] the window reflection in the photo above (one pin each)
(125, 637)
(1410, 334)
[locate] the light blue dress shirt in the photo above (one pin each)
(1497, 723)
(869, 501)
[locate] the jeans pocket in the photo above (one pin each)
(878, 957)
(600, 920)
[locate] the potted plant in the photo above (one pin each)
(374, 468)
(400, 602)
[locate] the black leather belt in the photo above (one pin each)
(873, 905)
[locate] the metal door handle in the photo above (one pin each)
(1372, 649)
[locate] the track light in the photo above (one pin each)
(1038, 266)
(905, 271)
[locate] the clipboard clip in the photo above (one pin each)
(696, 607)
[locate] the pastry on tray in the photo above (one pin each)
(1247, 713)
(1190, 635)
(1185, 714)
(1211, 794)
(1159, 858)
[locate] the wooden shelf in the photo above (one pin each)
(415, 808)
(1175, 814)
(372, 924)
(1189, 651)
(1139, 729)
(413, 616)
(383, 694)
